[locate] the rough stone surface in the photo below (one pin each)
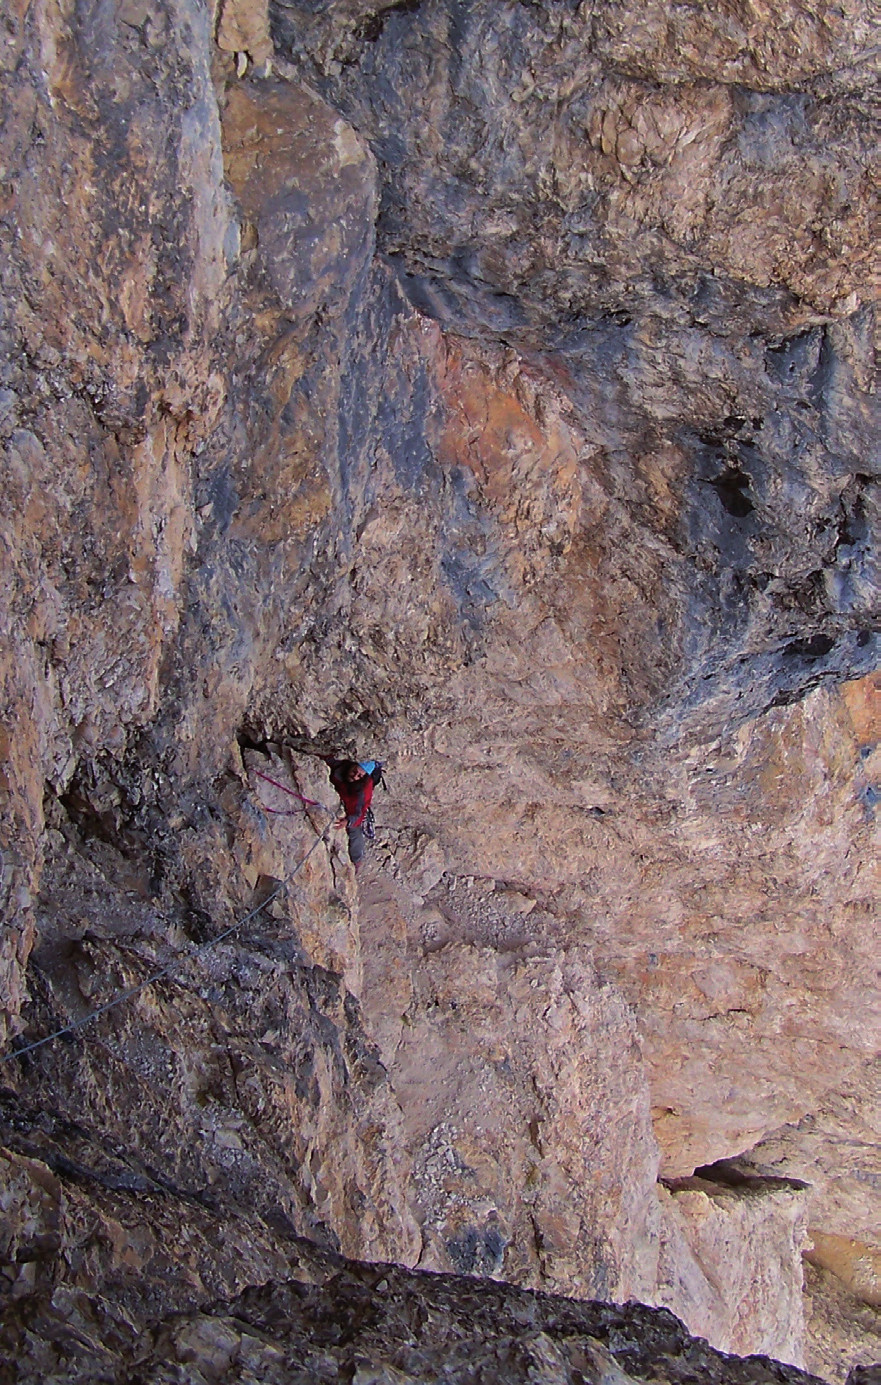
(525, 1103)
(243, 29)
(730, 1262)
(842, 1330)
(487, 388)
(324, 1319)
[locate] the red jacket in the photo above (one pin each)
(356, 798)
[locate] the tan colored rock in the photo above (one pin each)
(697, 935)
(515, 901)
(111, 441)
(858, 1266)
(31, 1200)
(244, 28)
(754, 43)
(416, 858)
(730, 1264)
(532, 1160)
(834, 1150)
(320, 908)
(564, 504)
(843, 1332)
(306, 184)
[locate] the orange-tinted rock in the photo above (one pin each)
(503, 412)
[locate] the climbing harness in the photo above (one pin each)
(178, 961)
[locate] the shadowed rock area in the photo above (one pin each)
(488, 389)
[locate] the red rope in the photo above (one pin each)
(310, 802)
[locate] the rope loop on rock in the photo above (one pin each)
(309, 802)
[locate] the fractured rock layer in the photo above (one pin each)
(486, 388)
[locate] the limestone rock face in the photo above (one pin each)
(730, 1263)
(484, 388)
(834, 1150)
(840, 1327)
(329, 1320)
(525, 1104)
(612, 157)
(113, 292)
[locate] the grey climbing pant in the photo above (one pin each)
(356, 843)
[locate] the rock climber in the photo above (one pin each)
(354, 782)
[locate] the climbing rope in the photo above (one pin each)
(178, 961)
(282, 812)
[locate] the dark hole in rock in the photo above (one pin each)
(811, 648)
(372, 28)
(730, 488)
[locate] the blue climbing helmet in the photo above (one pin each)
(374, 769)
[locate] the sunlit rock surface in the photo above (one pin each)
(486, 388)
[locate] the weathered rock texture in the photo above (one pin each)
(729, 1263)
(487, 388)
(525, 1103)
(322, 1319)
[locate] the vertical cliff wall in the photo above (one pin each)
(488, 389)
